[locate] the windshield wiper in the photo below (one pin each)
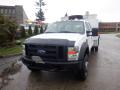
(65, 32)
(50, 32)
(61, 32)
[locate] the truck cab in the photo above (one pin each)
(64, 46)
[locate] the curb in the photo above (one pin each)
(11, 55)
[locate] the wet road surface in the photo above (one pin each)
(104, 72)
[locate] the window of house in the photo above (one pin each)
(5, 11)
(1, 11)
(9, 11)
(13, 11)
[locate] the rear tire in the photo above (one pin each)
(92, 49)
(96, 49)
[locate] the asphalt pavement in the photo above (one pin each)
(103, 73)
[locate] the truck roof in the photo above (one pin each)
(82, 20)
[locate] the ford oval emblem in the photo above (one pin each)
(41, 52)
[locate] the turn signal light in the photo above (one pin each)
(72, 52)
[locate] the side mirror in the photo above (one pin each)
(95, 32)
(89, 33)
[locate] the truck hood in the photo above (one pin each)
(67, 36)
(67, 39)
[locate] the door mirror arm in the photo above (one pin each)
(89, 33)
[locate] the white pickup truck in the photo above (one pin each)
(65, 45)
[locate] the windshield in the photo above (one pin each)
(66, 27)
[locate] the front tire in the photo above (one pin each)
(83, 71)
(33, 70)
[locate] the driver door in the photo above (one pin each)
(89, 35)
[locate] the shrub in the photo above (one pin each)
(41, 29)
(30, 31)
(8, 29)
(36, 30)
(23, 33)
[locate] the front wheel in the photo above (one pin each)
(83, 71)
(33, 70)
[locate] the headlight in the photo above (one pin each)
(73, 53)
(23, 51)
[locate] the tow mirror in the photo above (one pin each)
(95, 32)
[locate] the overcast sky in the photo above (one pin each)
(107, 10)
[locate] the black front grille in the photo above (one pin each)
(52, 53)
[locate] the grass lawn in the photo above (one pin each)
(9, 51)
(5, 51)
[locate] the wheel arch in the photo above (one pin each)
(83, 50)
(87, 51)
